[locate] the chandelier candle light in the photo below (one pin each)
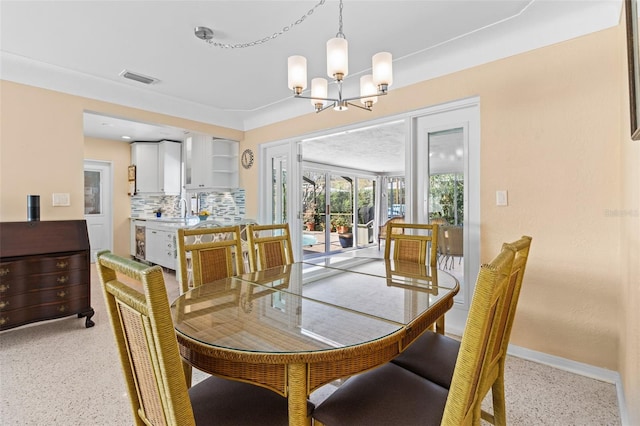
(371, 86)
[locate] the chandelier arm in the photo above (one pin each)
(317, 98)
(355, 98)
(359, 106)
(327, 106)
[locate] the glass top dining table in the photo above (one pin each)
(295, 328)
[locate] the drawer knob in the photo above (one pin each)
(4, 320)
(62, 264)
(62, 308)
(3, 304)
(4, 272)
(63, 279)
(62, 293)
(4, 287)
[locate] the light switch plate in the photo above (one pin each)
(501, 198)
(61, 199)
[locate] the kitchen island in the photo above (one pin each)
(153, 239)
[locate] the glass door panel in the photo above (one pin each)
(341, 210)
(279, 189)
(313, 212)
(366, 202)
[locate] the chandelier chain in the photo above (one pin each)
(340, 33)
(276, 34)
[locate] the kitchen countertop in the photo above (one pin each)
(190, 222)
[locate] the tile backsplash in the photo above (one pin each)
(224, 206)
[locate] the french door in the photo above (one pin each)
(447, 191)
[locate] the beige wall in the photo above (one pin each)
(550, 135)
(551, 132)
(630, 254)
(554, 134)
(42, 148)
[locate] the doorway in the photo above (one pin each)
(98, 199)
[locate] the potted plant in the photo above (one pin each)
(203, 214)
(310, 217)
(342, 223)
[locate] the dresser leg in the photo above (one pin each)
(88, 313)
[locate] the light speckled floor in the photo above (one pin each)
(60, 373)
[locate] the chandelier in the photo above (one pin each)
(371, 86)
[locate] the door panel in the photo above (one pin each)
(97, 205)
(448, 190)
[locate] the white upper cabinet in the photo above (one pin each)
(169, 167)
(210, 163)
(157, 167)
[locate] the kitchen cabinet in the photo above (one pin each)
(210, 163)
(157, 166)
(160, 244)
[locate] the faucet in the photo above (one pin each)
(186, 207)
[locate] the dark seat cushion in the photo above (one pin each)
(226, 402)
(432, 356)
(387, 395)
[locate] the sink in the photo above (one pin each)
(175, 222)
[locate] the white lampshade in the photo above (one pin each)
(318, 90)
(382, 69)
(337, 57)
(368, 88)
(297, 72)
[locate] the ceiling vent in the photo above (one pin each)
(138, 77)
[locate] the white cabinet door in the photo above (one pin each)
(144, 155)
(210, 163)
(161, 248)
(169, 155)
(197, 161)
(157, 166)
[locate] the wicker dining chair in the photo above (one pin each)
(453, 239)
(208, 254)
(382, 229)
(433, 356)
(391, 394)
(411, 242)
(152, 365)
(269, 246)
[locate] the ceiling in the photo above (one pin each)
(81, 47)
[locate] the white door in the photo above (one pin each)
(448, 147)
(98, 199)
(279, 195)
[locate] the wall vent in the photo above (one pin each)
(138, 77)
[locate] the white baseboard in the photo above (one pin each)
(586, 370)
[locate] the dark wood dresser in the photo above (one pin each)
(44, 272)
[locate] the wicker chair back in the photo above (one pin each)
(269, 246)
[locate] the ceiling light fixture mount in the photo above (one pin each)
(203, 33)
(371, 86)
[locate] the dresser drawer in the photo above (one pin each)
(17, 317)
(41, 265)
(34, 283)
(60, 294)
(15, 268)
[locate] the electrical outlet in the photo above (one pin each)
(501, 198)
(61, 199)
